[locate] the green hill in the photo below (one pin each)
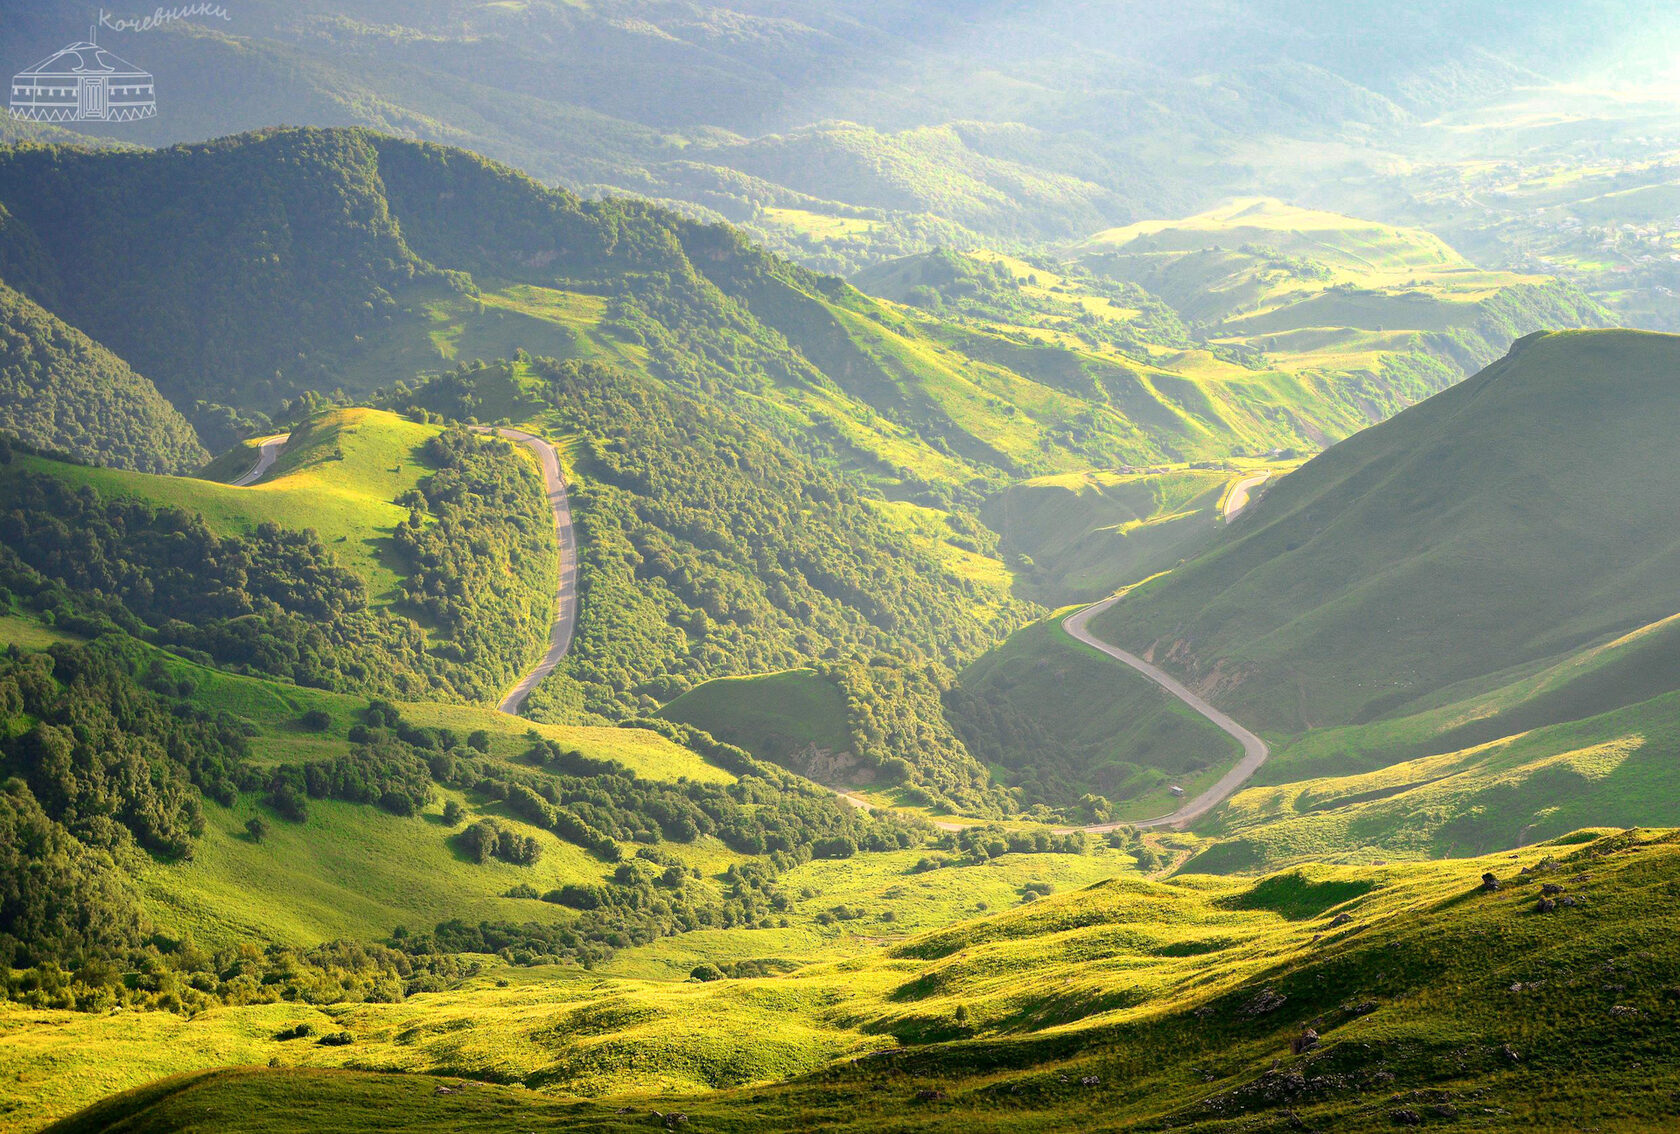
(1481, 532)
(378, 253)
(777, 717)
(1316, 290)
(318, 574)
(1430, 1001)
(59, 390)
(1586, 739)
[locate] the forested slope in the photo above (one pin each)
(386, 257)
(60, 390)
(446, 590)
(711, 548)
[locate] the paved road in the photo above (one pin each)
(267, 453)
(1255, 750)
(565, 600)
(1240, 494)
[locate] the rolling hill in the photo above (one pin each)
(378, 254)
(1357, 999)
(1476, 534)
(1320, 291)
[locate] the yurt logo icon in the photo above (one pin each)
(83, 83)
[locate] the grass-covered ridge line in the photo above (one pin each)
(776, 716)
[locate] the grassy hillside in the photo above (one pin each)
(332, 830)
(317, 574)
(1583, 740)
(1057, 720)
(776, 716)
(340, 475)
(1430, 1000)
(1514, 791)
(1085, 535)
(1158, 390)
(1316, 290)
(1463, 539)
(61, 391)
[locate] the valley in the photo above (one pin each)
(1255, 750)
(857, 567)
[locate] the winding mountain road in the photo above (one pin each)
(267, 453)
(1241, 492)
(565, 599)
(1255, 750)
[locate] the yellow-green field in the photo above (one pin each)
(339, 476)
(1058, 1010)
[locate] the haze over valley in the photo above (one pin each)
(618, 564)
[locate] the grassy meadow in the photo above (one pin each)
(773, 716)
(1426, 994)
(340, 476)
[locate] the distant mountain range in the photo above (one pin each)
(846, 133)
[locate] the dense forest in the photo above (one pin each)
(709, 548)
(61, 390)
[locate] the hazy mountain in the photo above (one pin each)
(932, 122)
